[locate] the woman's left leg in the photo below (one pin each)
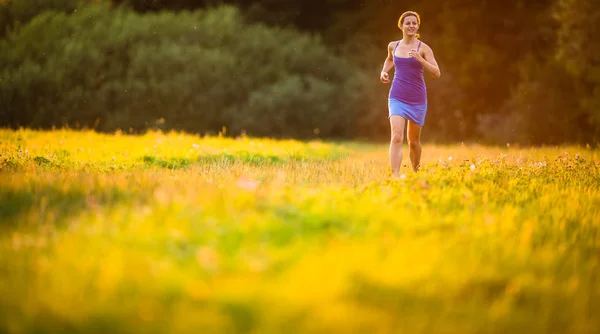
(413, 134)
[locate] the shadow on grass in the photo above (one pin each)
(225, 160)
(238, 317)
(465, 308)
(297, 223)
(17, 162)
(54, 202)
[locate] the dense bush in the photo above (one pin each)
(198, 71)
(18, 12)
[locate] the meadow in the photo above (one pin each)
(180, 233)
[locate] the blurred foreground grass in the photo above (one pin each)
(173, 233)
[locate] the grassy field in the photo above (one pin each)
(174, 233)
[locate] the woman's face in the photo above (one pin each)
(410, 26)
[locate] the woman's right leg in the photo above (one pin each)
(397, 125)
(413, 134)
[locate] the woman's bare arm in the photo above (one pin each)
(426, 58)
(387, 64)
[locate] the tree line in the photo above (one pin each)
(513, 71)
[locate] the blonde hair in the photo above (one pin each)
(410, 13)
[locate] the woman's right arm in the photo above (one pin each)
(387, 64)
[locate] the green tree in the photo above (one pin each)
(18, 12)
(557, 97)
(113, 68)
(479, 46)
(578, 46)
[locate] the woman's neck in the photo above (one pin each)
(408, 39)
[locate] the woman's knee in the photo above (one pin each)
(414, 144)
(397, 137)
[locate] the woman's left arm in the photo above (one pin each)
(427, 59)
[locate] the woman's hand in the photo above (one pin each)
(415, 54)
(384, 77)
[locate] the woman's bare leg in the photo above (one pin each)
(397, 125)
(413, 134)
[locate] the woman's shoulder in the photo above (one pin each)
(425, 45)
(393, 44)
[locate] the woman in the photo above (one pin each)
(408, 94)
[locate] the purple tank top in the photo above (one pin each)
(408, 85)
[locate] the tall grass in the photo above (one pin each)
(174, 233)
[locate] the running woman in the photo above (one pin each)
(408, 94)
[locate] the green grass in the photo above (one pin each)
(174, 233)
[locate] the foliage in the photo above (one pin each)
(516, 70)
(257, 235)
(195, 71)
(308, 15)
(19, 12)
(578, 42)
(555, 99)
(479, 47)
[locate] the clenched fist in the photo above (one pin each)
(385, 77)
